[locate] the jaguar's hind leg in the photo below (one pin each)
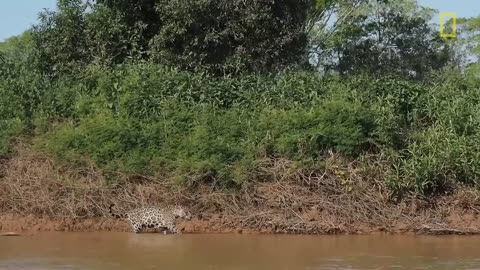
(136, 228)
(133, 226)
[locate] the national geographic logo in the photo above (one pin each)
(448, 29)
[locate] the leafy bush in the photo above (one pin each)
(8, 130)
(340, 125)
(145, 119)
(11, 123)
(199, 141)
(149, 120)
(437, 160)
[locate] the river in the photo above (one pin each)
(102, 251)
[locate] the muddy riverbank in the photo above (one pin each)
(26, 225)
(37, 194)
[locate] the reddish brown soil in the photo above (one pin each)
(454, 224)
(30, 224)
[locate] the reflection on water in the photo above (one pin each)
(231, 252)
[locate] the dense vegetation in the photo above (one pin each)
(207, 90)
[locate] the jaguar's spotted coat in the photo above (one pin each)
(153, 217)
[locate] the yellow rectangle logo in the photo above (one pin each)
(453, 17)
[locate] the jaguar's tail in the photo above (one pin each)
(110, 210)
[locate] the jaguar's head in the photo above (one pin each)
(181, 212)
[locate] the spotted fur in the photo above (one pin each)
(153, 217)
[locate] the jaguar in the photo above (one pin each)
(163, 218)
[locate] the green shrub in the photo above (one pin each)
(11, 114)
(437, 159)
(9, 129)
(145, 119)
(340, 125)
(185, 141)
(200, 141)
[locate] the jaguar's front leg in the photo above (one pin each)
(172, 229)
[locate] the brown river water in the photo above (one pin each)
(104, 251)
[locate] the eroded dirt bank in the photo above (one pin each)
(36, 194)
(25, 225)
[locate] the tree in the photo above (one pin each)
(220, 36)
(232, 36)
(324, 20)
(468, 44)
(60, 39)
(121, 30)
(21, 83)
(17, 44)
(385, 37)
